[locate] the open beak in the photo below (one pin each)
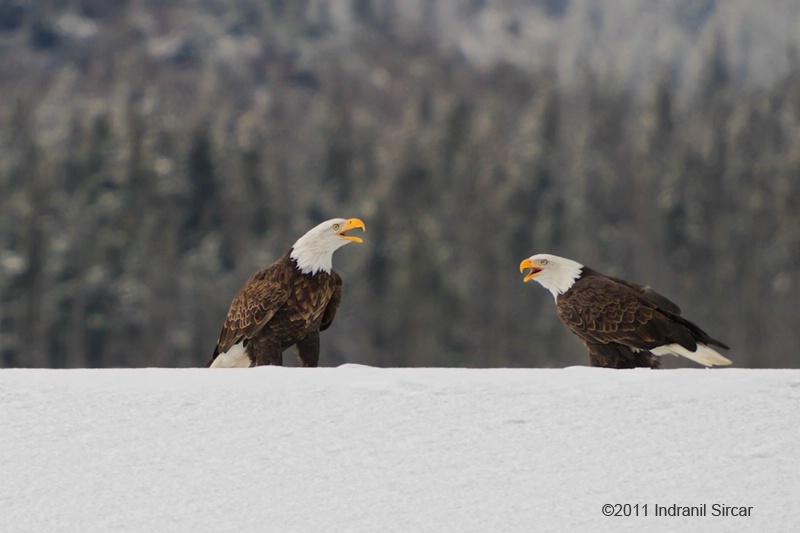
(527, 263)
(352, 223)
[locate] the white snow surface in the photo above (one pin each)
(358, 448)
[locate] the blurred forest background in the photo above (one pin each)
(154, 153)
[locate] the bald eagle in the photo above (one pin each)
(287, 303)
(622, 324)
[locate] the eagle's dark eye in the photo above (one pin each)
(543, 262)
(336, 226)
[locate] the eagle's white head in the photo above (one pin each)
(313, 252)
(556, 274)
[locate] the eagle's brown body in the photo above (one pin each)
(619, 322)
(280, 307)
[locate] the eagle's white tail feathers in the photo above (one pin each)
(703, 355)
(235, 357)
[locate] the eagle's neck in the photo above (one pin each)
(558, 281)
(312, 255)
(312, 261)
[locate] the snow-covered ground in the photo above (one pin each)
(365, 449)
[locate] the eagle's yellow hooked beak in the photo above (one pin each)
(352, 223)
(527, 263)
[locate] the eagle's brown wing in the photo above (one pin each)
(600, 310)
(254, 305)
(671, 311)
(645, 290)
(333, 304)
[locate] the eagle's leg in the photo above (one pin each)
(266, 351)
(619, 356)
(308, 349)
